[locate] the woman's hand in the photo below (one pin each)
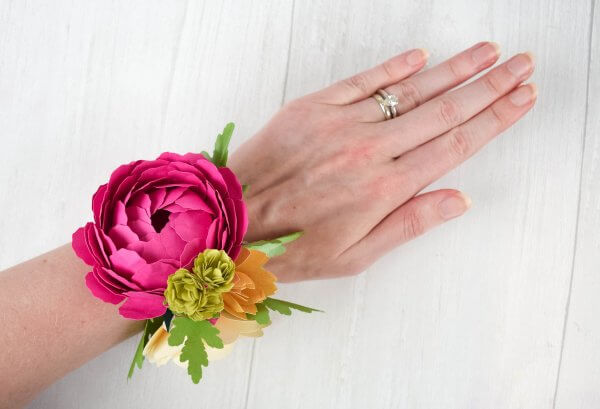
(328, 163)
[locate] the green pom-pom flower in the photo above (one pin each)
(187, 295)
(215, 269)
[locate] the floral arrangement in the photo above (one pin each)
(167, 244)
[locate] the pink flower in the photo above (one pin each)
(152, 218)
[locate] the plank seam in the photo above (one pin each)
(285, 80)
(585, 126)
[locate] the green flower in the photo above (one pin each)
(187, 295)
(215, 269)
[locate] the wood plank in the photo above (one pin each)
(85, 86)
(472, 314)
(579, 378)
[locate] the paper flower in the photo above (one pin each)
(215, 269)
(152, 218)
(163, 242)
(251, 284)
(158, 351)
(188, 296)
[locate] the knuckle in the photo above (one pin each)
(493, 85)
(414, 224)
(388, 69)
(459, 142)
(449, 112)
(455, 69)
(358, 82)
(409, 92)
(498, 117)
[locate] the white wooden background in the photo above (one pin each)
(498, 309)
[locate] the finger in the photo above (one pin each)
(443, 113)
(434, 159)
(413, 218)
(364, 84)
(419, 88)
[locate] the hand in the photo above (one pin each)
(328, 163)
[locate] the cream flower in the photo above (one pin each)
(159, 352)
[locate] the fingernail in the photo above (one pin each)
(485, 53)
(417, 56)
(454, 206)
(520, 65)
(523, 95)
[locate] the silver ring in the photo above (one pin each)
(387, 113)
(390, 100)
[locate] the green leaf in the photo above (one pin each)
(245, 188)
(261, 316)
(274, 247)
(193, 334)
(286, 307)
(149, 329)
(206, 155)
(221, 151)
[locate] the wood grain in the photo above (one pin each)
(577, 385)
(470, 316)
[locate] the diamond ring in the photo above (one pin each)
(387, 102)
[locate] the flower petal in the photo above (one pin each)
(100, 291)
(80, 247)
(141, 305)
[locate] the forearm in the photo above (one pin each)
(51, 324)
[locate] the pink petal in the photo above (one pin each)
(190, 225)
(141, 228)
(233, 184)
(141, 200)
(191, 250)
(80, 247)
(211, 235)
(95, 244)
(157, 197)
(119, 214)
(122, 235)
(100, 291)
(141, 306)
(97, 201)
(126, 262)
(192, 201)
(172, 195)
(154, 276)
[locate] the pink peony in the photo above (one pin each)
(152, 218)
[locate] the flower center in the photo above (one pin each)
(159, 219)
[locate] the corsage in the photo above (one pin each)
(167, 244)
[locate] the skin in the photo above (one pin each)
(326, 164)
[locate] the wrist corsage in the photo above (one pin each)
(167, 244)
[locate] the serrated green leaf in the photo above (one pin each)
(286, 307)
(274, 247)
(193, 334)
(262, 315)
(149, 329)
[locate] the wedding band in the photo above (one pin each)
(387, 102)
(387, 113)
(390, 100)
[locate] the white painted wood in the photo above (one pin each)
(579, 380)
(469, 316)
(85, 86)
